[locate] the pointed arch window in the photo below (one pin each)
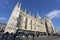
(26, 24)
(19, 20)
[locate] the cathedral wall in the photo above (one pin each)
(35, 25)
(28, 23)
(51, 28)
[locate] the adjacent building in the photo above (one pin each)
(2, 27)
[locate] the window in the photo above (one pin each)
(19, 20)
(26, 24)
(31, 24)
(41, 22)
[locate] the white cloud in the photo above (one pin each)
(2, 18)
(5, 4)
(2, 5)
(6, 1)
(54, 14)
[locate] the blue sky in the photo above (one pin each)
(50, 8)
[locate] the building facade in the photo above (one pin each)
(21, 19)
(2, 27)
(50, 26)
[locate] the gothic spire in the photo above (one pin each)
(29, 12)
(33, 14)
(18, 4)
(25, 9)
(38, 16)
